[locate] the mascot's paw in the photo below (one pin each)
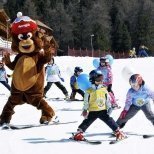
(47, 116)
(47, 113)
(45, 120)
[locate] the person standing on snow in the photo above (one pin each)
(142, 51)
(138, 98)
(3, 76)
(132, 53)
(97, 105)
(54, 76)
(73, 83)
(106, 70)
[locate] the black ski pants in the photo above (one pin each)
(58, 84)
(102, 115)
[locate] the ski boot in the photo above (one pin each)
(119, 135)
(67, 97)
(78, 136)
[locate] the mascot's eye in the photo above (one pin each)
(29, 35)
(20, 37)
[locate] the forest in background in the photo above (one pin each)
(116, 25)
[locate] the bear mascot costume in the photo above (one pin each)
(34, 50)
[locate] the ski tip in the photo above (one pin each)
(113, 142)
(96, 142)
(147, 136)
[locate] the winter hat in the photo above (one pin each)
(23, 24)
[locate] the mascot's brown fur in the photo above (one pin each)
(34, 50)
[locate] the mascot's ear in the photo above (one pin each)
(38, 40)
(39, 34)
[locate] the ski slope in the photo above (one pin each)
(54, 139)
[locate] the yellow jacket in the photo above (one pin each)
(96, 99)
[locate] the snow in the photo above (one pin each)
(54, 139)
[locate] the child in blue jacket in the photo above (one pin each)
(138, 98)
(73, 83)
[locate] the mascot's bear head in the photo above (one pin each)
(25, 35)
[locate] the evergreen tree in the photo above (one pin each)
(42, 9)
(143, 26)
(29, 9)
(12, 7)
(60, 22)
(126, 39)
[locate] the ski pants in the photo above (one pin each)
(133, 111)
(58, 84)
(102, 115)
(109, 88)
(74, 91)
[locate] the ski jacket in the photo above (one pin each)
(73, 82)
(52, 73)
(96, 98)
(107, 74)
(138, 98)
(3, 75)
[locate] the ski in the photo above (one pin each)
(62, 99)
(71, 100)
(56, 99)
(18, 127)
(117, 141)
(93, 142)
(147, 136)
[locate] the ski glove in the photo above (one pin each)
(123, 114)
(84, 113)
(62, 79)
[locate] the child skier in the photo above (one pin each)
(54, 76)
(138, 98)
(3, 76)
(106, 70)
(97, 105)
(74, 85)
